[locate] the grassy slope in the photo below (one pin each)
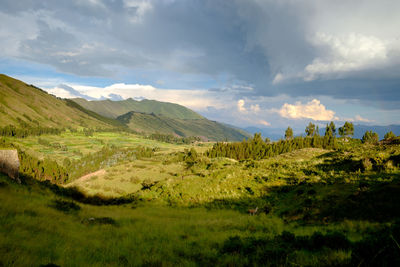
(36, 107)
(34, 232)
(150, 123)
(113, 109)
(302, 192)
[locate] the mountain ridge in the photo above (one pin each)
(204, 128)
(113, 109)
(24, 105)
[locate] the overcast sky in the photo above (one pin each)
(263, 63)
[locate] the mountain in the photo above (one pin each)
(359, 130)
(113, 109)
(272, 133)
(151, 123)
(24, 105)
(150, 116)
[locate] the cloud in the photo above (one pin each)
(240, 106)
(265, 123)
(255, 108)
(352, 52)
(312, 110)
(278, 78)
(359, 118)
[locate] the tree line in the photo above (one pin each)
(12, 131)
(257, 148)
(169, 138)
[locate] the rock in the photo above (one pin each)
(9, 163)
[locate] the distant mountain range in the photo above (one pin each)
(23, 105)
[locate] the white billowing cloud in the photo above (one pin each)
(240, 106)
(359, 118)
(61, 92)
(351, 52)
(265, 123)
(312, 110)
(254, 108)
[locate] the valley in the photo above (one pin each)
(98, 191)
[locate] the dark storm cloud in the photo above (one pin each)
(339, 49)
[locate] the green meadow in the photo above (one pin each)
(180, 207)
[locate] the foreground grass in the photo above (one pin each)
(316, 208)
(39, 227)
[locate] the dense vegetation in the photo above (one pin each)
(169, 138)
(12, 130)
(256, 148)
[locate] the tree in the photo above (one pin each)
(347, 129)
(190, 157)
(289, 133)
(328, 131)
(333, 128)
(389, 135)
(310, 129)
(370, 137)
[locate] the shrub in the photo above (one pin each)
(148, 184)
(370, 137)
(367, 164)
(389, 135)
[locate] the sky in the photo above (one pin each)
(270, 63)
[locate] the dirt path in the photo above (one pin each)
(88, 176)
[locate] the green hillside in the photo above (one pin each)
(23, 105)
(150, 123)
(315, 207)
(113, 109)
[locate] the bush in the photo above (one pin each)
(389, 135)
(370, 137)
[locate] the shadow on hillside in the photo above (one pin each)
(323, 203)
(75, 194)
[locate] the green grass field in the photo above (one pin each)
(316, 207)
(35, 231)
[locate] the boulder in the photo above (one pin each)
(9, 163)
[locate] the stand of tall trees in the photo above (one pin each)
(11, 130)
(256, 148)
